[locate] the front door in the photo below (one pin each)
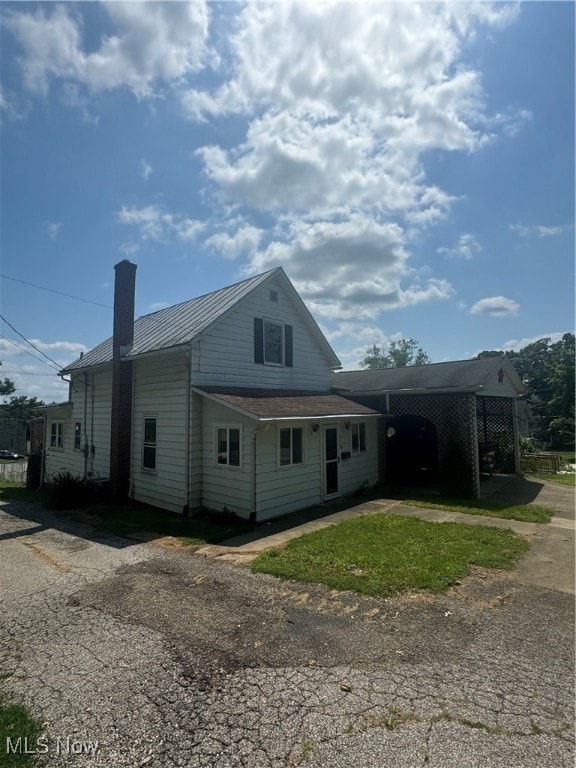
(331, 461)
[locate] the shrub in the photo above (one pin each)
(67, 491)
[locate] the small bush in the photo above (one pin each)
(67, 491)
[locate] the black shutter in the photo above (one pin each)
(258, 340)
(288, 354)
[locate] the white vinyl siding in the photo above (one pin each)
(224, 356)
(284, 489)
(225, 486)
(91, 406)
(160, 392)
(362, 466)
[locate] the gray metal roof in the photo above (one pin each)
(182, 323)
(458, 374)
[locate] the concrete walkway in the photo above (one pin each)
(549, 563)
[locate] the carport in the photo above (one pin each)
(439, 417)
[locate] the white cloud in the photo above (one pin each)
(342, 101)
(150, 43)
(154, 223)
(497, 306)
(244, 240)
(53, 228)
(350, 268)
(466, 248)
(539, 230)
(514, 345)
(145, 169)
(33, 377)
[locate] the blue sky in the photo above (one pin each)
(411, 166)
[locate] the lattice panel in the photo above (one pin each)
(495, 419)
(453, 417)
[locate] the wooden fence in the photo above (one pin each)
(541, 462)
(13, 471)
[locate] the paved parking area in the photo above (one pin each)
(178, 659)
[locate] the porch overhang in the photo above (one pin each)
(267, 406)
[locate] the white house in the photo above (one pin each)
(221, 402)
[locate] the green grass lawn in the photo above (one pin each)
(523, 512)
(553, 478)
(128, 519)
(16, 722)
(386, 554)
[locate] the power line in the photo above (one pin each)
(27, 352)
(58, 365)
(21, 373)
(52, 290)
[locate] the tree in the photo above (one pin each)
(21, 409)
(7, 387)
(400, 354)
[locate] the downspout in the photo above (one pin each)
(188, 424)
(85, 425)
(92, 446)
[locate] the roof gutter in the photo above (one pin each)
(408, 390)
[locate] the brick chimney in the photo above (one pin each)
(122, 339)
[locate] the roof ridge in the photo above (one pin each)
(210, 293)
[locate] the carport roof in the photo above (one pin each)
(471, 375)
(279, 404)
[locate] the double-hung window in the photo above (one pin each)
(149, 443)
(291, 446)
(228, 446)
(77, 435)
(57, 435)
(358, 437)
(272, 342)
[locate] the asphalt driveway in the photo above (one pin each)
(169, 658)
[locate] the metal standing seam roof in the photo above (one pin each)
(275, 404)
(179, 324)
(458, 374)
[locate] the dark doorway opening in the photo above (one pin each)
(411, 451)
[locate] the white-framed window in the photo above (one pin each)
(358, 437)
(228, 442)
(77, 435)
(273, 343)
(290, 446)
(149, 442)
(57, 435)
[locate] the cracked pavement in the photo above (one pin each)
(168, 658)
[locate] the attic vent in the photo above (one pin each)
(274, 296)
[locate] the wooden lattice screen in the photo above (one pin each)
(453, 417)
(495, 417)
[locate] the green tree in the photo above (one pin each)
(7, 387)
(399, 355)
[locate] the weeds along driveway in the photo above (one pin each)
(173, 659)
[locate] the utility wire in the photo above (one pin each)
(58, 365)
(51, 290)
(27, 351)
